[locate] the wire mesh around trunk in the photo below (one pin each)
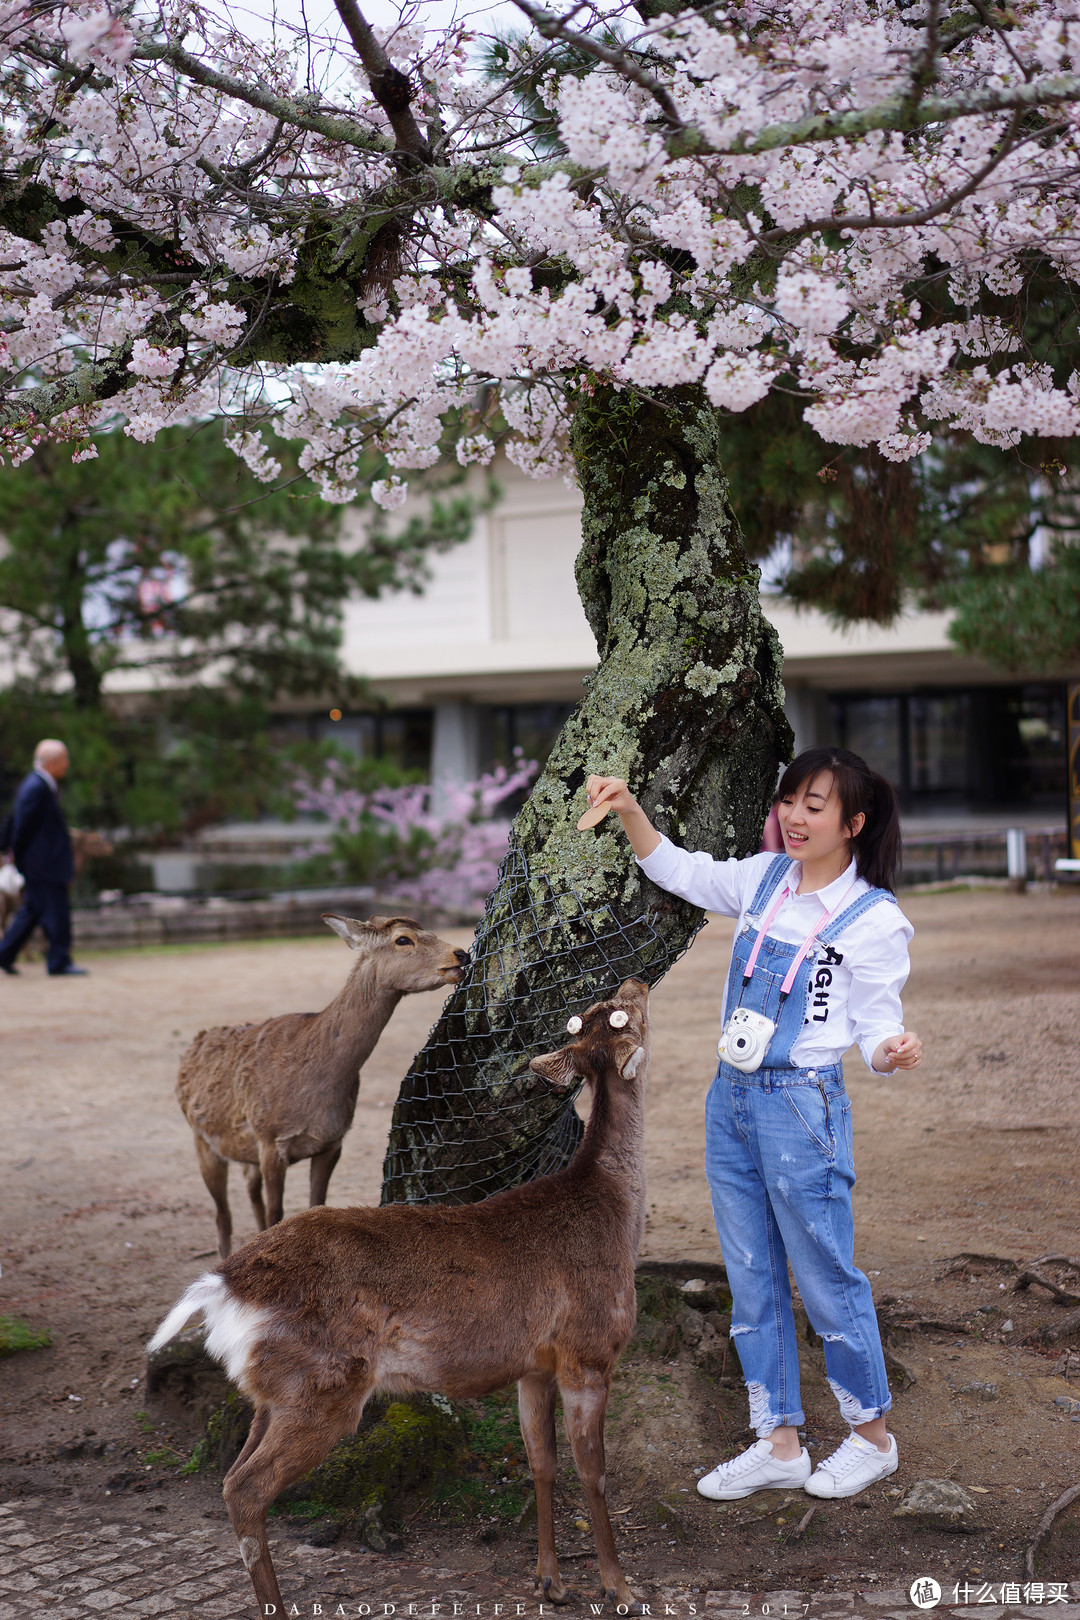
(471, 1118)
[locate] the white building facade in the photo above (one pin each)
(493, 654)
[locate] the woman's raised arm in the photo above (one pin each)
(613, 792)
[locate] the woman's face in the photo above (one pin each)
(812, 822)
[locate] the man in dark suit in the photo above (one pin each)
(41, 845)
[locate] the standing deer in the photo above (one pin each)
(535, 1284)
(266, 1095)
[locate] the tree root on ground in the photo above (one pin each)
(904, 1375)
(1051, 1332)
(1045, 1524)
(1030, 1276)
(958, 1262)
(926, 1324)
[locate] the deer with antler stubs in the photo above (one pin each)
(535, 1284)
(267, 1095)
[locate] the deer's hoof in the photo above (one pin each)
(625, 1603)
(555, 1591)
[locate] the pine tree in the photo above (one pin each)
(169, 576)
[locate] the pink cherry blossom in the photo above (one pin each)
(768, 192)
(151, 360)
(98, 34)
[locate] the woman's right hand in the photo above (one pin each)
(611, 791)
(613, 794)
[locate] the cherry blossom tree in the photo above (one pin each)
(643, 220)
(845, 196)
(440, 858)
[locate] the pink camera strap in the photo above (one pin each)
(781, 895)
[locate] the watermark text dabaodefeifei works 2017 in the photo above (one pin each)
(435, 1609)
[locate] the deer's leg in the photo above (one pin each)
(322, 1168)
(215, 1172)
(272, 1167)
(585, 1398)
(283, 1446)
(256, 1434)
(536, 1411)
(253, 1177)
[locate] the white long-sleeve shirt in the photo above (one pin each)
(857, 996)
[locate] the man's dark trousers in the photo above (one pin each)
(47, 904)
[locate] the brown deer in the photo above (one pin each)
(267, 1095)
(535, 1284)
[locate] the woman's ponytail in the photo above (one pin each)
(878, 848)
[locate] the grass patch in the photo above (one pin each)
(198, 1461)
(163, 1457)
(495, 1482)
(494, 1432)
(465, 1499)
(310, 1507)
(16, 1335)
(466, 1461)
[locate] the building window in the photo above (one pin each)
(1036, 765)
(532, 727)
(975, 747)
(400, 735)
(871, 727)
(939, 730)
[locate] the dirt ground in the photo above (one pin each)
(105, 1220)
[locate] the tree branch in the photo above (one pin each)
(896, 113)
(924, 68)
(904, 113)
(88, 384)
(997, 24)
(128, 283)
(285, 108)
(550, 27)
(884, 222)
(389, 85)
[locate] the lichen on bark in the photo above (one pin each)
(687, 704)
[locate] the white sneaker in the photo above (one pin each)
(755, 1470)
(854, 1465)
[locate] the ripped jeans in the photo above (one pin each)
(778, 1158)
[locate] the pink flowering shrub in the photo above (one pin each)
(441, 860)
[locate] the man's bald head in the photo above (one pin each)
(51, 755)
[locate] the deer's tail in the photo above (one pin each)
(201, 1296)
(231, 1326)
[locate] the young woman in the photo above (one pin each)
(821, 955)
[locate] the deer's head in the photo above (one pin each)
(610, 1040)
(403, 955)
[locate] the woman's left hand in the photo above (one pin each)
(898, 1052)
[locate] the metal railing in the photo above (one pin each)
(938, 856)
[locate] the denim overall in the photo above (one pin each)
(779, 1162)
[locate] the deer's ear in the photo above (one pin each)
(557, 1068)
(354, 932)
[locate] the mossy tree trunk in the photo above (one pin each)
(686, 703)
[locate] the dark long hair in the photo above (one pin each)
(877, 848)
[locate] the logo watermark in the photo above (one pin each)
(1010, 1592)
